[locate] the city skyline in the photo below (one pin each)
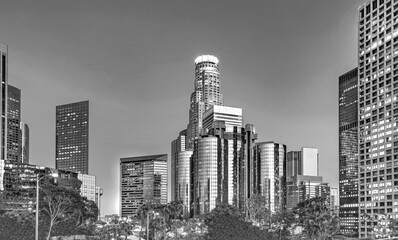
(281, 70)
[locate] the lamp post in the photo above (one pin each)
(147, 224)
(54, 175)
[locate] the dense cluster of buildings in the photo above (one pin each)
(218, 159)
(17, 176)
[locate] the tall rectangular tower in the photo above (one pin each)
(13, 122)
(142, 180)
(71, 139)
(378, 111)
(348, 151)
(3, 97)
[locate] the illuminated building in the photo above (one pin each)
(71, 143)
(348, 152)
(3, 96)
(18, 183)
(13, 121)
(378, 112)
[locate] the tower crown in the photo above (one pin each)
(206, 58)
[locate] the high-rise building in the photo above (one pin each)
(183, 179)
(378, 108)
(269, 181)
(3, 96)
(230, 115)
(142, 180)
(13, 122)
(24, 149)
(71, 143)
(206, 94)
(249, 169)
(209, 167)
(177, 146)
(304, 162)
(348, 152)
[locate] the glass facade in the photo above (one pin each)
(206, 94)
(209, 173)
(177, 146)
(18, 183)
(183, 178)
(378, 111)
(348, 152)
(24, 149)
(143, 180)
(270, 174)
(3, 96)
(87, 188)
(13, 122)
(71, 143)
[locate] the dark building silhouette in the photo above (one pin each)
(13, 122)
(348, 151)
(71, 143)
(3, 97)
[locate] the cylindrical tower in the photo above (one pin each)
(270, 158)
(206, 94)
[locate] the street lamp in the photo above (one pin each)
(54, 175)
(147, 223)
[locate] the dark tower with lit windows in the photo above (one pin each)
(71, 137)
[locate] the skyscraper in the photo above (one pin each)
(177, 146)
(269, 181)
(13, 122)
(206, 94)
(71, 142)
(24, 149)
(378, 108)
(304, 162)
(3, 96)
(142, 180)
(348, 151)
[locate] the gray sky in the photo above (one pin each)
(133, 60)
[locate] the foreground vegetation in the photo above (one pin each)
(63, 212)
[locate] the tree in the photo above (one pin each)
(316, 218)
(65, 205)
(159, 217)
(226, 222)
(282, 222)
(256, 210)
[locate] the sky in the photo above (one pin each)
(134, 61)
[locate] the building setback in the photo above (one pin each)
(206, 94)
(142, 180)
(378, 112)
(72, 135)
(348, 152)
(13, 122)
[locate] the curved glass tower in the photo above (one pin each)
(206, 94)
